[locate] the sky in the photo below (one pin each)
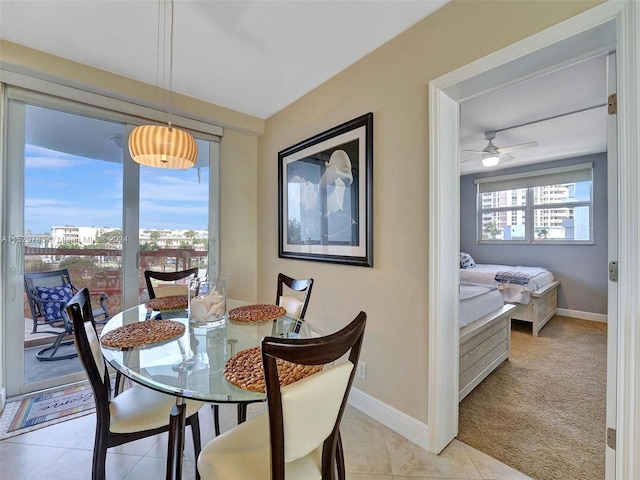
(63, 189)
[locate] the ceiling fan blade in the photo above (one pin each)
(473, 151)
(470, 159)
(506, 157)
(513, 148)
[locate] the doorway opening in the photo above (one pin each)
(596, 31)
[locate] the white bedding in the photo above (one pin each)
(512, 293)
(477, 300)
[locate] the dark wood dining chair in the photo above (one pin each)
(47, 295)
(167, 277)
(136, 413)
(296, 307)
(312, 408)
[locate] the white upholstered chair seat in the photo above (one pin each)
(139, 408)
(243, 453)
(292, 305)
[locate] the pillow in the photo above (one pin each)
(54, 300)
(466, 260)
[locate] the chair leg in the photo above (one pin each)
(216, 418)
(44, 356)
(242, 412)
(98, 468)
(242, 415)
(118, 386)
(340, 459)
(194, 421)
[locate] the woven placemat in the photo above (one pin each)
(258, 313)
(142, 333)
(245, 370)
(168, 304)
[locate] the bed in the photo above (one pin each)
(532, 289)
(485, 326)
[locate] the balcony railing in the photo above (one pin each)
(100, 269)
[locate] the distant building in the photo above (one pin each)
(86, 236)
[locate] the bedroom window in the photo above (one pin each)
(546, 206)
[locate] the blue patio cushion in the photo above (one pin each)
(54, 299)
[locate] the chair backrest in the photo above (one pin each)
(53, 285)
(295, 306)
(168, 277)
(88, 346)
(308, 412)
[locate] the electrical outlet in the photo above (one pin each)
(362, 370)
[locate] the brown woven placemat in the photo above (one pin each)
(168, 304)
(142, 333)
(245, 370)
(258, 313)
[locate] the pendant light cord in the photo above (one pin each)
(171, 66)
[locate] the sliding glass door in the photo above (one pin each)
(75, 200)
(65, 182)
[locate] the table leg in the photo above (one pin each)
(176, 440)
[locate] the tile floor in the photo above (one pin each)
(372, 452)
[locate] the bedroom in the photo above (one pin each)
(577, 95)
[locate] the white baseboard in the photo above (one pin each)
(401, 423)
(594, 317)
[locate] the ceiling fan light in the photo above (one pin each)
(162, 147)
(490, 160)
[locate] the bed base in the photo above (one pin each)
(540, 309)
(484, 344)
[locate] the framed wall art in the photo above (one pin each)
(325, 195)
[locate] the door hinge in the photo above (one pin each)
(611, 438)
(613, 271)
(612, 104)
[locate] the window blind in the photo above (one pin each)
(580, 172)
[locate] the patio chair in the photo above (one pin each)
(299, 436)
(296, 307)
(48, 294)
(169, 285)
(137, 413)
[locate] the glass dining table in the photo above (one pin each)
(191, 366)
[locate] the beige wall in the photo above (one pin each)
(392, 82)
(238, 214)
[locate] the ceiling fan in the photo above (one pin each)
(492, 154)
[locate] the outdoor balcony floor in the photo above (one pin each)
(34, 369)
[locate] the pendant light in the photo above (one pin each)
(164, 146)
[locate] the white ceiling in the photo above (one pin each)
(254, 57)
(257, 57)
(563, 111)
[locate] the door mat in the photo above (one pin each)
(45, 409)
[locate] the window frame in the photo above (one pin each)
(529, 181)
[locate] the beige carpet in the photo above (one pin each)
(543, 411)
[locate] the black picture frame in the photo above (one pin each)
(325, 196)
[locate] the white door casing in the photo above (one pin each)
(612, 256)
(612, 26)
